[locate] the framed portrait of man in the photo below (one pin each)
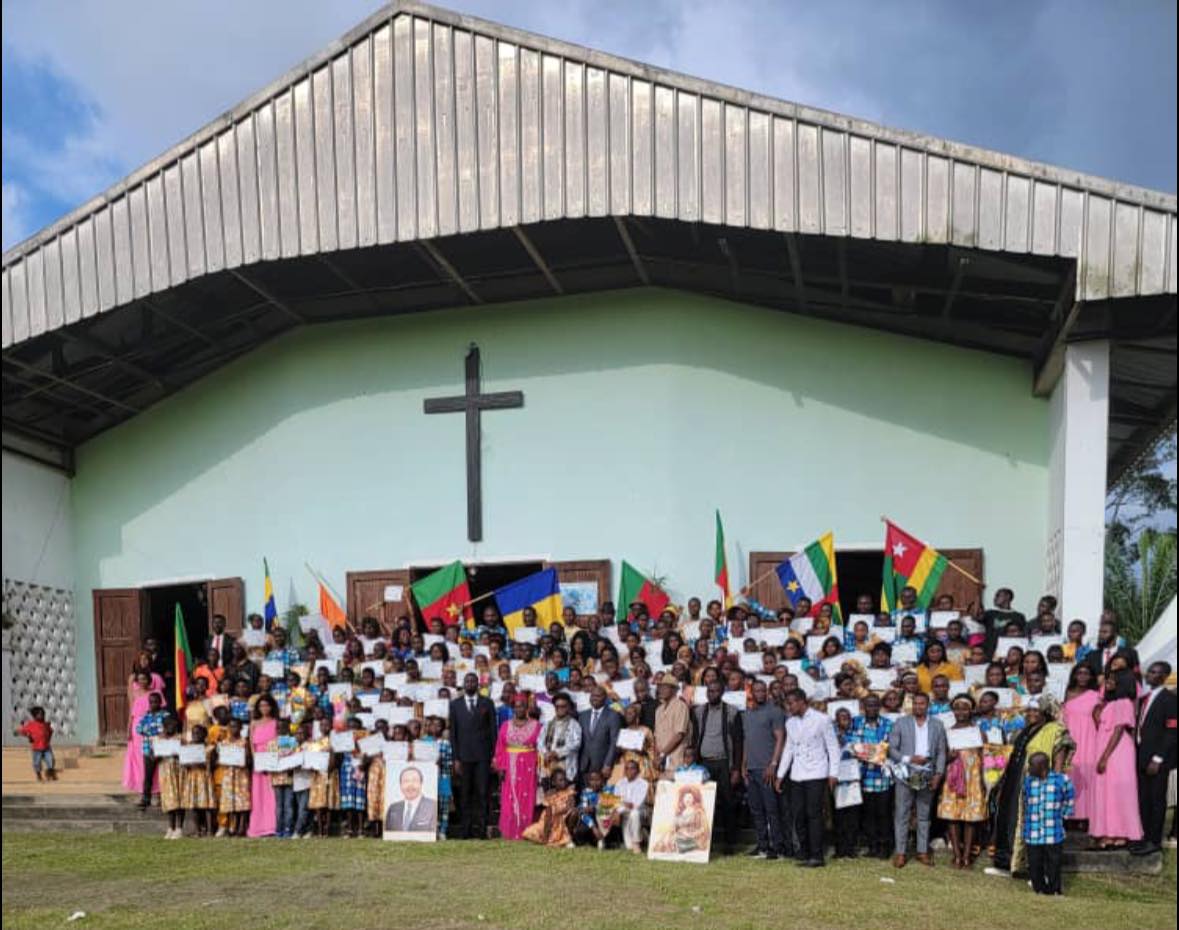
(411, 801)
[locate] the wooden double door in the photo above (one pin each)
(123, 619)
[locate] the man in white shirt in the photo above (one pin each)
(632, 792)
(811, 757)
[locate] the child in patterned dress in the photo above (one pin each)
(435, 728)
(235, 783)
(323, 795)
(168, 772)
(353, 800)
(196, 783)
(374, 774)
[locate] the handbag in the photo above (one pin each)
(848, 794)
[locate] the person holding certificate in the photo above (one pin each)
(964, 797)
(232, 755)
(636, 743)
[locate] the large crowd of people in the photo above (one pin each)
(888, 736)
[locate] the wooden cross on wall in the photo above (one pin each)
(472, 403)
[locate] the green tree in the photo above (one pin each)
(1139, 589)
(1143, 498)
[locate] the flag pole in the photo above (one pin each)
(959, 569)
(323, 581)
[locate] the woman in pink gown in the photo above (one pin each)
(263, 729)
(143, 682)
(1082, 697)
(1113, 813)
(515, 760)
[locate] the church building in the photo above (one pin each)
(450, 290)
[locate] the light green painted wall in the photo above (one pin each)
(644, 411)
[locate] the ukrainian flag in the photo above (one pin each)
(541, 592)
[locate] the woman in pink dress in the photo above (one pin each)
(1113, 813)
(263, 729)
(142, 683)
(515, 760)
(1081, 698)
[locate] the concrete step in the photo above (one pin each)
(150, 827)
(1117, 862)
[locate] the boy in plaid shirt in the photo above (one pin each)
(1048, 799)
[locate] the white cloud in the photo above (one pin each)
(154, 73)
(15, 224)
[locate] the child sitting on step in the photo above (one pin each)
(39, 732)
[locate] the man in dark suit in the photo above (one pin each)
(1156, 756)
(1108, 647)
(472, 736)
(599, 735)
(414, 812)
(220, 640)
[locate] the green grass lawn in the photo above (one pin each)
(130, 882)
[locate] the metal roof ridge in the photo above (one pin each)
(1117, 190)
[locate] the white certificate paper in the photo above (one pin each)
(964, 738)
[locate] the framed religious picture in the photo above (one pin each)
(582, 596)
(681, 823)
(411, 801)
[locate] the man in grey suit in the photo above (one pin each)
(414, 812)
(599, 736)
(918, 741)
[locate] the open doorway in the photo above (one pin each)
(859, 573)
(161, 614)
(482, 579)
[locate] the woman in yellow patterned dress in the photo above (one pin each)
(218, 733)
(324, 795)
(964, 797)
(235, 780)
(196, 784)
(645, 758)
(168, 772)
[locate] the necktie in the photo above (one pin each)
(594, 720)
(471, 704)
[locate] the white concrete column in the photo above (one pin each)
(1078, 427)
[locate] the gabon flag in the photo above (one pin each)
(269, 608)
(721, 573)
(637, 588)
(181, 659)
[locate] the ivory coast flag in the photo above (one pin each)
(443, 594)
(329, 609)
(721, 573)
(908, 562)
(635, 588)
(181, 659)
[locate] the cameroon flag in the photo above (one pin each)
(182, 660)
(637, 587)
(721, 572)
(909, 562)
(444, 594)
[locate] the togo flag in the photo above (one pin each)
(811, 574)
(909, 562)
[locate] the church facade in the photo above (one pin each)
(692, 323)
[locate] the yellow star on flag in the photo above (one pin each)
(793, 586)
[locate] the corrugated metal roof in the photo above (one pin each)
(422, 123)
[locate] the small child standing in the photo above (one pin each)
(324, 792)
(435, 728)
(585, 827)
(196, 784)
(353, 798)
(39, 732)
(168, 772)
(301, 787)
(691, 767)
(1048, 800)
(234, 802)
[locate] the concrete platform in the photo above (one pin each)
(81, 813)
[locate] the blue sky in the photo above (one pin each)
(94, 88)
